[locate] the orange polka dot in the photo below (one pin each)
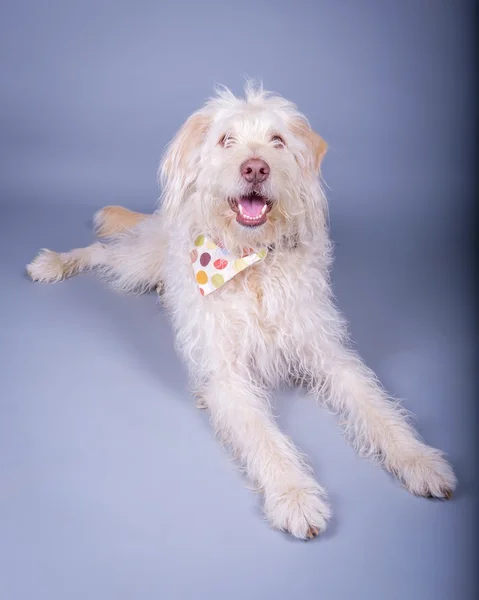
(201, 277)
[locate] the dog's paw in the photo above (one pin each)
(46, 267)
(301, 511)
(428, 474)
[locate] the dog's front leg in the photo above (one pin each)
(377, 425)
(240, 414)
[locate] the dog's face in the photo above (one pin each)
(244, 170)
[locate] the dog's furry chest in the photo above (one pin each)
(268, 292)
(259, 313)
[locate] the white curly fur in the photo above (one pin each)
(276, 320)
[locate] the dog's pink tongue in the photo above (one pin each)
(252, 206)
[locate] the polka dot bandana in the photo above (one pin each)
(213, 266)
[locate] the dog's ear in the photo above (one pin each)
(178, 167)
(315, 144)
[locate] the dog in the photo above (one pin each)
(240, 252)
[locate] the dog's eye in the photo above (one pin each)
(225, 140)
(278, 141)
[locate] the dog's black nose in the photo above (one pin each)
(255, 170)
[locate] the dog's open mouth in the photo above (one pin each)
(251, 210)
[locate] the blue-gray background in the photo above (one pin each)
(111, 484)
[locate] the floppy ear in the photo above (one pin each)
(315, 144)
(177, 170)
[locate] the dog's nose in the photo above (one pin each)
(255, 170)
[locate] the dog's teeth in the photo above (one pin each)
(240, 208)
(263, 210)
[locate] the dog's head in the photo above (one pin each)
(245, 171)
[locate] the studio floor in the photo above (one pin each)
(113, 487)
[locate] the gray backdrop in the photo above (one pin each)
(111, 484)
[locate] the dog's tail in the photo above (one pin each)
(112, 220)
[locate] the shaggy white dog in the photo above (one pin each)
(240, 250)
